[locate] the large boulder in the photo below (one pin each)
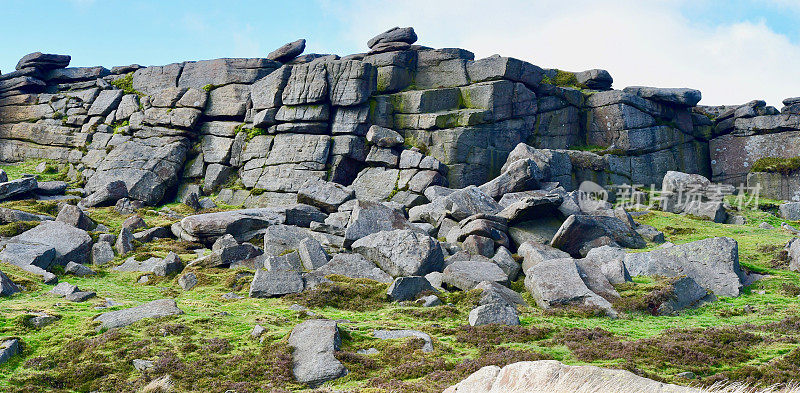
(408, 288)
(372, 217)
(548, 376)
(314, 343)
(325, 195)
(288, 52)
(494, 314)
(580, 233)
(155, 309)
(713, 263)
(43, 61)
(16, 187)
(395, 34)
(243, 224)
(466, 275)
(557, 282)
(276, 282)
(402, 252)
(159, 266)
(70, 244)
(353, 266)
(520, 175)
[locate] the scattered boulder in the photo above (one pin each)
(276, 282)
(187, 281)
(466, 275)
(399, 334)
(73, 215)
(372, 217)
(9, 348)
(533, 253)
(154, 309)
(408, 288)
(325, 195)
(580, 233)
(311, 253)
(556, 282)
(106, 195)
(16, 187)
(713, 263)
(353, 266)
(124, 242)
(288, 52)
(402, 252)
(161, 267)
(789, 211)
(80, 296)
(63, 289)
(494, 313)
(395, 34)
(243, 224)
(682, 293)
(68, 242)
(76, 269)
(102, 253)
(314, 343)
(496, 293)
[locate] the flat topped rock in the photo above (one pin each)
(288, 52)
(677, 96)
(398, 334)
(395, 34)
(155, 309)
(43, 61)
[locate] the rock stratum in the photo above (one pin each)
(404, 177)
(275, 123)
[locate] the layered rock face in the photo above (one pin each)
(277, 123)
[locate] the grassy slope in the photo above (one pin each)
(211, 341)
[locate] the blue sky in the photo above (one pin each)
(733, 50)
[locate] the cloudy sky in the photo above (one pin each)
(732, 50)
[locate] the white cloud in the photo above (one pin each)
(640, 43)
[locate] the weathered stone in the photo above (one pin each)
(160, 267)
(148, 167)
(494, 314)
(325, 195)
(595, 79)
(107, 194)
(580, 233)
(288, 52)
(497, 67)
(266, 92)
(350, 82)
(70, 244)
(9, 348)
(401, 252)
(307, 84)
(371, 217)
(789, 210)
(73, 215)
(314, 343)
(276, 282)
(466, 275)
(395, 34)
(495, 293)
(312, 254)
(155, 309)
(243, 224)
(17, 186)
(102, 253)
(353, 266)
(55, 187)
(408, 288)
(228, 101)
(713, 263)
(556, 282)
(105, 102)
(79, 270)
(218, 72)
(11, 215)
(676, 96)
(43, 61)
(681, 294)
